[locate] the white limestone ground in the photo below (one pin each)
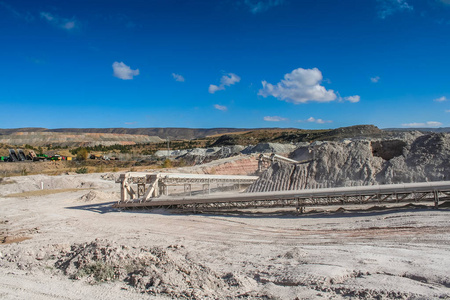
(73, 245)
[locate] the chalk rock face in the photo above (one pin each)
(426, 159)
(361, 162)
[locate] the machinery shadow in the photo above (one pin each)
(287, 213)
(316, 213)
(100, 208)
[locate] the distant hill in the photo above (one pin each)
(171, 133)
(75, 139)
(289, 135)
(441, 129)
(210, 136)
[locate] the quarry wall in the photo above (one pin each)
(361, 162)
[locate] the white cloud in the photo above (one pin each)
(178, 77)
(274, 119)
(47, 16)
(226, 80)
(257, 6)
(426, 124)
(299, 86)
(220, 107)
(27, 17)
(375, 79)
(63, 23)
(123, 71)
(214, 88)
(352, 99)
(229, 79)
(441, 99)
(130, 123)
(389, 7)
(69, 25)
(314, 120)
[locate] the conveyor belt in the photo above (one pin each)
(392, 193)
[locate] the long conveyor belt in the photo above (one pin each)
(392, 193)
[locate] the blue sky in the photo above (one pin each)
(248, 63)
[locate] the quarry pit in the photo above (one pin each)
(62, 237)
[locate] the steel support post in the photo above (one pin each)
(123, 190)
(436, 199)
(141, 189)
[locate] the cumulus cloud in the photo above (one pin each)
(214, 88)
(389, 7)
(274, 119)
(226, 80)
(441, 99)
(299, 86)
(352, 99)
(229, 79)
(375, 79)
(178, 77)
(60, 22)
(123, 71)
(426, 124)
(314, 120)
(220, 107)
(257, 6)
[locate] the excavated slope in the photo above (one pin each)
(75, 139)
(361, 162)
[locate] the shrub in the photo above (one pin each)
(83, 170)
(82, 154)
(167, 163)
(99, 270)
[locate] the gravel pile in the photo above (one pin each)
(152, 270)
(98, 196)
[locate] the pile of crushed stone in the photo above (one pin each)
(170, 271)
(152, 270)
(109, 176)
(98, 196)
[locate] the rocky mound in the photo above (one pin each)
(356, 131)
(152, 270)
(110, 176)
(205, 155)
(426, 159)
(225, 140)
(97, 196)
(269, 148)
(361, 162)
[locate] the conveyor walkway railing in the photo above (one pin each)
(378, 194)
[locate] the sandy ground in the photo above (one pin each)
(48, 239)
